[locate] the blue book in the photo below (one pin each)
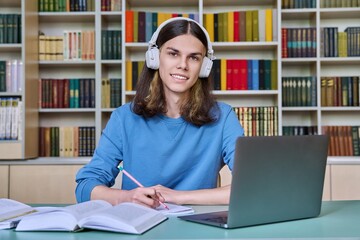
(148, 26)
(249, 74)
(255, 74)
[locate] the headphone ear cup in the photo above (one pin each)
(205, 67)
(152, 58)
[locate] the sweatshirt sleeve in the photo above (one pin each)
(232, 130)
(102, 169)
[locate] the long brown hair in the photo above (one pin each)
(196, 107)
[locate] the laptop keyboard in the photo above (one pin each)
(220, 219)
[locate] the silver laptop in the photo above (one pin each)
(274, 179)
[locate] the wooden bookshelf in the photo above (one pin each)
(27, 144)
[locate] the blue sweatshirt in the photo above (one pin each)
(161, 150)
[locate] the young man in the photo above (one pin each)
(174, 137)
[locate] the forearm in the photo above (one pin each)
(113, 196)
(196, 197)
(144, 196)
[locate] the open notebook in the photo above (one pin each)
(274, 179)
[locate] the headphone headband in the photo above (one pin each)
(152, 42)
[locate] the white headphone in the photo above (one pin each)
(152, 54)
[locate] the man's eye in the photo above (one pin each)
(195, 58)
(173, 54)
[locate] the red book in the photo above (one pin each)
(55, 93)
(229, 74)
(284, 49)
(129, 26)
(60, 93)
(66, 93)
(242, 65)
(236, 26)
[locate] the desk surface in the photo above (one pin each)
(338, 220)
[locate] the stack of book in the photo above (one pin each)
(344, 140)
(10, 28)
(299, 91)
(10, 118)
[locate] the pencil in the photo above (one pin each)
(138, 183)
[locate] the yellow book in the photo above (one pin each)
(223, 69)
(268, 25)
(162, 17)
(248, 25)
(128, 81)
(230, 26)
(185, 15)
(209, 25)
(103, 93)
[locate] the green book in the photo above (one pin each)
(136, 26)
(355, 130)
(255, 25)
(248, 26)
(2, 76)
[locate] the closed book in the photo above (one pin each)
(129, 85)
(223, 71)
(129, 26)
(248, 26)
(209, 25)
(255, 74)
(236, 26)
(148, 26)
(243, 73)
(255, 25)
(268, 25)
(355, 140)
(141, 26)
(230, 26)
(242, 25)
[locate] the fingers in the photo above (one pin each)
(146, 196)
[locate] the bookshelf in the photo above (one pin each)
(24, 145)
(317, 66)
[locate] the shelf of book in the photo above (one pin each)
(18, 49)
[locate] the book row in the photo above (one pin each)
(340, 91)
(299, 130)
(245, 74)
(10, 28)
(340, 44)
(73, 45)
(299, 91)
(11, 74)
(67, 93)
(140, 25)
(228, 74)
(110, 92)
(298, 42)
(344, 140)
(248, 25)
(66, 5)
(66, 141)
(111, 44)
(286, 4)
(10, 118)
(258, 121)
(110, 5)
(339, 3)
